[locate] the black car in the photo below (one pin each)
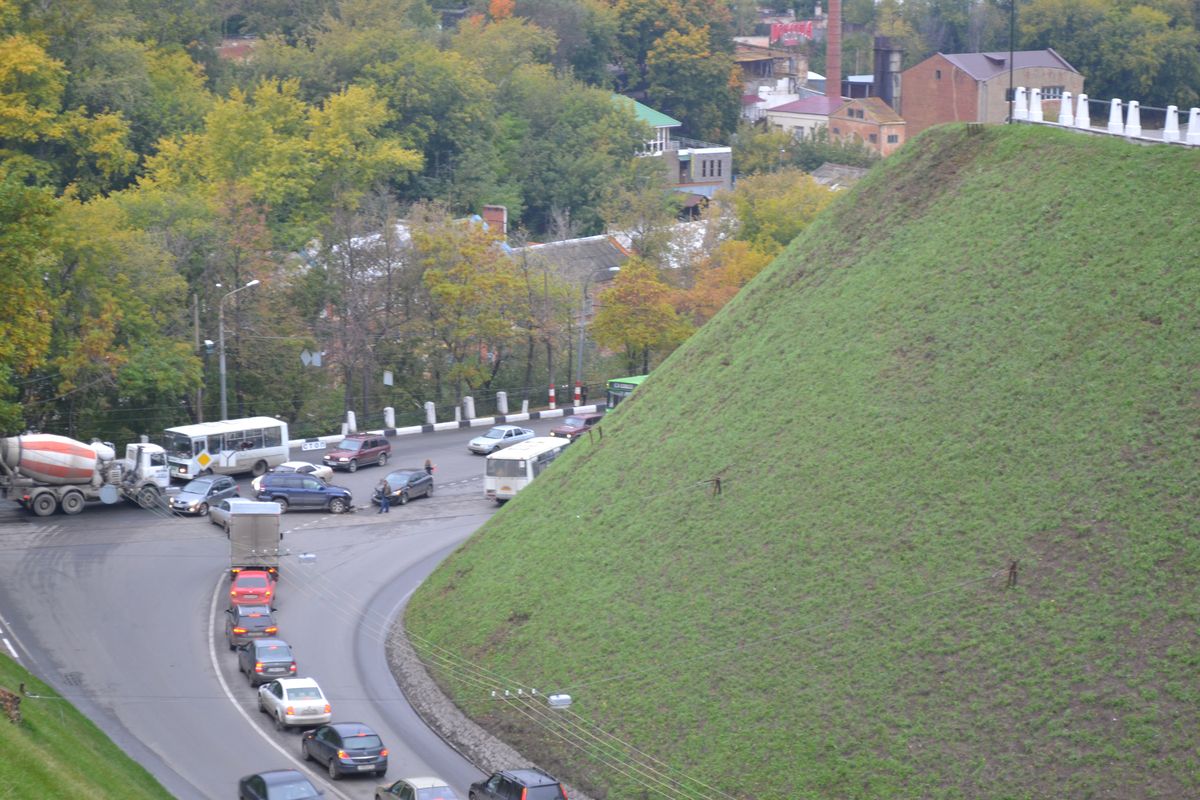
(244, 623)
(278, 784)
(530, 784)
(405, 484)
(304, 491)
(346, 748)
(262, 660)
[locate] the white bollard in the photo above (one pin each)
(1083, 114)
(1171, 125)
(430, 412)
(1133, 122)
(501, 402)
(1115, 125)
(1035, 106)
(1193, 134)
(1065, 117)
(469, 407)
(524, 406)
(351, 422)
(389, 417)
(458, 413)
(345, 429)
(1020, 110)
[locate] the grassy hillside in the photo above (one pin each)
(987, 352)
(57, 752)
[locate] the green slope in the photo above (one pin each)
(57, 752)
(987, 352)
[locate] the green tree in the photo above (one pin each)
(696, 84)
(773, 208)
(637, 316)
(585, 31)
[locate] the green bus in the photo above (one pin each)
(620, 388)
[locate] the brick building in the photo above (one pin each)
(871, 121)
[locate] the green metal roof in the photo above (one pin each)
(655, 119)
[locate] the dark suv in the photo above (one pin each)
(292, 490)
(518, 784)
(357, 450)
(573, 427)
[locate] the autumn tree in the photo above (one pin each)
(695, 83)
(773, 208)
(637, 316)
(718, 278)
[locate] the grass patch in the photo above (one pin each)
(987, 352)
(57, 752)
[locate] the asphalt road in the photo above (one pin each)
(121, 610)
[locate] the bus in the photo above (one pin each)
(254, 445)
(510, 470)
(620, 388)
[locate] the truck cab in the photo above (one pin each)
(150, 462)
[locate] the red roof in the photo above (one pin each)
(750, 99)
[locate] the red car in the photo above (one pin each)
(575, 426)
(252, 587)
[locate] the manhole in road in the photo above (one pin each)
(73, 678)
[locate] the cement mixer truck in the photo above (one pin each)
(44, 472)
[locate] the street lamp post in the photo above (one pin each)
(583, 318)
(221, 339)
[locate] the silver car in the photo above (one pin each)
(497, 438)
(199, 494)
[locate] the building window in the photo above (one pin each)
(719, 165)
(836, 131)
(874, 139)
(893, 138)
(703, 169)
(937, 74)
(1052, 92)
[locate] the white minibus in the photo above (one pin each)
(510, 470)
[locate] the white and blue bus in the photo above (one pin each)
(510, 470)
(228, 447)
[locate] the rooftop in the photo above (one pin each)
(982, 66)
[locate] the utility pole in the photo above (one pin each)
(221, 340)
(196, 345)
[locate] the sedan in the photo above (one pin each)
(262, 660)
(346, 748)
(497, 438)
(200, 493)
(278, 784)
(405, 484)
(416, 789)
(293, 702)
(318, 471)
(252, 587)
(244, 623)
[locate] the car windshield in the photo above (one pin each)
(304, 693)
(436, 793)
(362, 741)
(551, 792)
(350, 444)
(253, 611)
(300, 790)
(573, 422)
(177, 444)
(274, 652)
(252, 582)
(399, 478)
(285, 468)
(198, 485)
(494, 433)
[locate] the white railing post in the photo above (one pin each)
(1020, 110)
(1035, 105)
(1133, 120)
(1171, 125)
(351, 422)
(501, 402)
(389, 417)
(1193, 134)
(430, 412)
(469, 407)
(1083, 114)
(1065, 117)
(1115, 123)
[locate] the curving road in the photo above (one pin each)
(122, 612)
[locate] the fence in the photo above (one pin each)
(1129, 120)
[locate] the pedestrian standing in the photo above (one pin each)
(384, 499)
(428, 467)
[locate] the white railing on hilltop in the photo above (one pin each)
(1124, 119)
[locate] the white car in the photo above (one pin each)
(498, 437)
(416, 789)
(319, 471)
(294, 702)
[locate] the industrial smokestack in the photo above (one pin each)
(833, 51)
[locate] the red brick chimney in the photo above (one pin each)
(833, 51)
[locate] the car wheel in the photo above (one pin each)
(403, 498)
(260, 468)
(352, 466)
(304, 751)
(149, 497)
(202, 510)
(429, 491)
(379, 773)
(333, 770)
(44, 504)
(283, 504)
(337, 506)
(226, 530)
(233, 649)
(72, 503)
(261, 708)
(279, 723)
(383, 459)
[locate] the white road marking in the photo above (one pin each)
(8, 644)
(16, 639)
(212, 654)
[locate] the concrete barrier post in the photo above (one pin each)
(389, 417)
(458, 413)
(351, 422)
(1115, 123)
(578, 394)
(1020, 109)
(524, 406)
(1171, 125)
(345, 429)
(552, 406)
(430, 413)
(1065, 117)
(468, 404)
(1133, 120)
(1193, 133)
(1083, 114)
(501, 402)
(1035, 105)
